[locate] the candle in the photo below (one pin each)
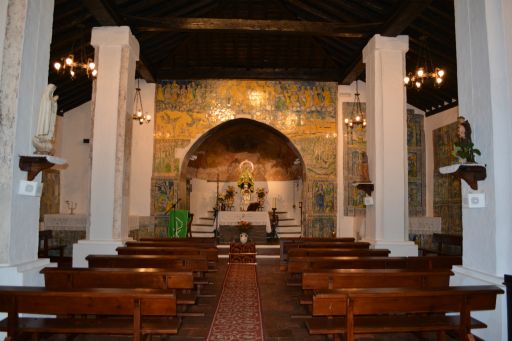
(274, 205)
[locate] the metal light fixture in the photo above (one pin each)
(357, 115)
(424, 69)
(83, 64)
(139, 113)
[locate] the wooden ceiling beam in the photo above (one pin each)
(247, 25)
(107, 16)
(404, 16)
(245, 73)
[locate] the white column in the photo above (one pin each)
(117, 50)
(387, 219)
(484, 71)
(25, 34)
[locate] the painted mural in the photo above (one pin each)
(354, 149)
(447, 194)
(303, 111)
(416, 162)
(356, 163)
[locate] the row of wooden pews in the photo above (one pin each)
(349, 290)
(141, 293)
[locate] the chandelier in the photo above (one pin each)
(357, 115)
(139, 113)
(424, 69)
(83, 64)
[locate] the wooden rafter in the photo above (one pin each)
(281, 26)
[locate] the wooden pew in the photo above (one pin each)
(85, 278)
(303, 264)
(203, 240)
(211, 253)
(444, 245)
(375, 278)
(371, 278)
(170, 244)
(134, 311)
(333, 252)
(195, 263)
(286, 242)
(397, 310)
(329, 243)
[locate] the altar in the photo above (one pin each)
(233, 218)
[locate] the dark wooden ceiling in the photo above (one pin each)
(258, 39)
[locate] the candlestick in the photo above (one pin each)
(274, 205)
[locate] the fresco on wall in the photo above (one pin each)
(447, 195)
(416, 162)
(354, 149)
(305, 112)
(355, 164)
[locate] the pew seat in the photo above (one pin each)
(397, 310)
(135, 312)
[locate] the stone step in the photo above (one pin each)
(202, 224)
(207, 218)
(202, 234)
(262, 251)
(289, 234)
(288, 229)
(203, 229)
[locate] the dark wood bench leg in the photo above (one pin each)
(441, 336)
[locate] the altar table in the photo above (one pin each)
(234, 218)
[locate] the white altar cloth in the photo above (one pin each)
(234, 217)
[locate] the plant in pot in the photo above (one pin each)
(464, 149)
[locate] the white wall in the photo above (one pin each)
(73, 128)
(142, 155)
(431, 123)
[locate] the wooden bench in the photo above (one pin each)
(286, 242)
(204, 240)
(85, 278)
(133, 311)
(194, 263)
(299, 265)
(333, 252)
(399, 310)
(168, 244)
(444, 245)
(371, 278)
(211, 253)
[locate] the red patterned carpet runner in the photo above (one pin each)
(238, 314)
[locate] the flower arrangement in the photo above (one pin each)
(230, 192)
(464, 149)
(244, 226)
(260, 191)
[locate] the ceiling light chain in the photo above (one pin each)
(357, 115)
(424, 69)
(139, 113)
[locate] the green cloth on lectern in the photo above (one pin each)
(181, 220)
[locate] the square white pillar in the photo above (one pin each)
(117, 50)
(387, 219)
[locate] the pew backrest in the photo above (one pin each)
(212, 254)
(193, 263)
(328, 252)
(78, 278)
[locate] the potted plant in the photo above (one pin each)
(464, 149)
(229, 196)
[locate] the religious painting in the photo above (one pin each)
(324, 197)
(322, 226)
(416, 171)
(163, 194)
(303, 111)
(447, 191)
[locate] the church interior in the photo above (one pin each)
(256, 169)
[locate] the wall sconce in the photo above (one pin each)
(139, 113)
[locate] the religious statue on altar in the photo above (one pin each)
(246, 183)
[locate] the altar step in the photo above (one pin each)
(262, 251)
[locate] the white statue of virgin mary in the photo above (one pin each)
(44, 138)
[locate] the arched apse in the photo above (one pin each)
(218, 153)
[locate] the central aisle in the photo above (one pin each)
(238, 313)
